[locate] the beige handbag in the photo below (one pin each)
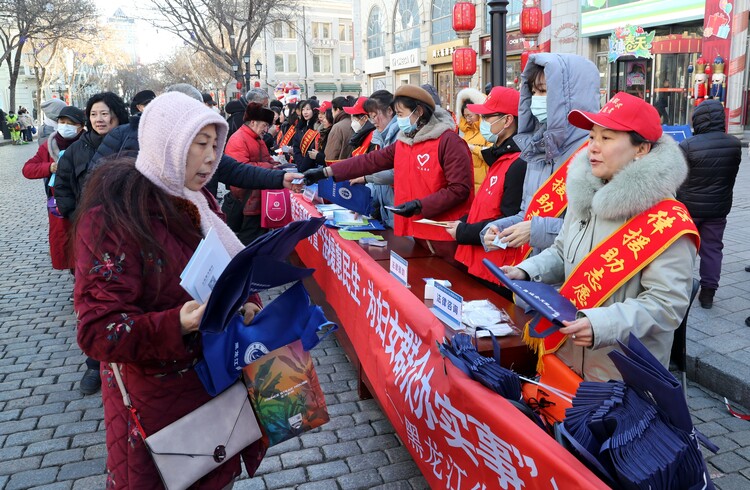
(201, 441)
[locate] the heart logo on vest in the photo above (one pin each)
(423, 159)
(493, 180)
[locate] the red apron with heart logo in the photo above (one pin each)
(276, 210)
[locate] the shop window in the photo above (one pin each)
(322, 61)
(406, 25)
(512, 18)
(442, 21)
(375, 36)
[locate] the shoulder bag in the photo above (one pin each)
(201, 441)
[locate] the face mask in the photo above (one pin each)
(405, 124)
(356, 125)
(486, 129)
(539, 107)
(67, 131)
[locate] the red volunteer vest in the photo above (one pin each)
(486, 205)
(418, 174)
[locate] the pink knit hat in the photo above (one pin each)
(168, 126)
(166, 130)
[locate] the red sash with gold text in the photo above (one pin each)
(550, 200)
(311, 136)
(615, 260)
(362, 149)
(288, 136)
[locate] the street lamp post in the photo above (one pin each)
(498, 11)
(258, 67)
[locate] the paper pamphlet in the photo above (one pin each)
(204, 268)
(442, 224)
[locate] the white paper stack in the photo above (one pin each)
(204, 268)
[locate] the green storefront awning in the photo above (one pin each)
(351, 87)
(325, 87)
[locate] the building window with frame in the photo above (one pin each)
(322, 61)
(442, 21)
(512, 18)
(292, 62)
(345, 64)
(375, 35)
(278, 30)
(321, 30)
(345, 32)
(279, 63)
(406, 25)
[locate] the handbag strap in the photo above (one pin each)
(126, 399)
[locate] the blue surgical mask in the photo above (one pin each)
(67, 131)
(539, 107)
(486, 129)
(405, 124)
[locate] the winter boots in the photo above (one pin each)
(706, 298)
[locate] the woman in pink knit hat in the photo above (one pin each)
(138, 226)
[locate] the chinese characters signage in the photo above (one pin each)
(630, 41)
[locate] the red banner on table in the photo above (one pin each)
(461, 435)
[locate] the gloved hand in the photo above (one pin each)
(314, 174)
(409, 208)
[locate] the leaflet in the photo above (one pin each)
(205, 266)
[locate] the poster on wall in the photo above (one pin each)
(718, 20)
(636, 73)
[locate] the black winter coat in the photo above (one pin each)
(72, 170)
(122, 141)
(713, 159)
(236, 113)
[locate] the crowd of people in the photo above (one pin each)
(541, 181)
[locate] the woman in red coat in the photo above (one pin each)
(246, 145)
(137, 227)
(433, 171)
(43, 165)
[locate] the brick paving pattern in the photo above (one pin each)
(52, 437)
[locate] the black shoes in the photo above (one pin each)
(747, 268)
(91, 382)
(706, 298)
(747, 321)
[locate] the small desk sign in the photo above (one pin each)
(447, 306)
(399, 268)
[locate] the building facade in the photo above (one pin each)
(318, 50)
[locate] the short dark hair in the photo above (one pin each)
(636, 139)
(533, 72)
(412, 104)
(379, 101)
(340, 102)
(115, 104)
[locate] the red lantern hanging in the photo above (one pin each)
(464, 62)
(531, 18)
(239, 85)
(464, 19)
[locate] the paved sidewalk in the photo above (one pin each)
(52, 437)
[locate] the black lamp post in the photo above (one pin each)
(498, 11)
(258, 67)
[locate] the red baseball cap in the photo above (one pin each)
(325, 105)
(358, 108)
(502, 100)
(623, 112)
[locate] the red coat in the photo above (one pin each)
(246, 146)
(37, 167)
(128, 310)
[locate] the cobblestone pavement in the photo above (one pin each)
(52, 437)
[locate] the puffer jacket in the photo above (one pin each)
(470, 133)
(572, 83)
(713, 159)
(235, 110)
(72, 170)
(653, 302)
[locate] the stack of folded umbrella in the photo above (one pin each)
(487, 370)
(637, 433)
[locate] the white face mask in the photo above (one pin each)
(356, 125)
(67, 131)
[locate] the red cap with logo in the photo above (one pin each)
(623, 112)
(502, 100)
(358, 108)
(325, 105)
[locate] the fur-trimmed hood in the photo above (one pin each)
(440, 122)
(473, 95)
(638, 186)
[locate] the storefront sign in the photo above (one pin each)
(441, 53)
(597, 18)
(513, 44)
(630, 41)
(405, 59)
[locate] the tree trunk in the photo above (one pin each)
(13, 69)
